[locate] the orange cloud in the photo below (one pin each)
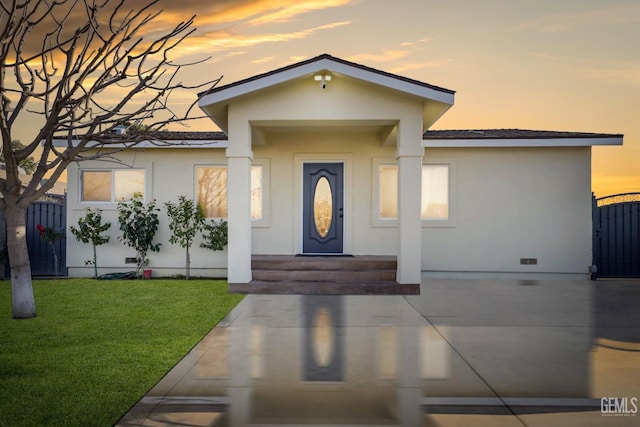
(219, 41)
(415, 66)
(262, 60)
(284, 11)
(386, 56)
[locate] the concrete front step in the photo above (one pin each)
(318, 275)
(354, 263)
(324, 288)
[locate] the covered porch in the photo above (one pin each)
(319, 144)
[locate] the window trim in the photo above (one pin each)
(376, 221)
(450, 222)
(112, 202)
(195, 183)
(264, 163)
(265, 221)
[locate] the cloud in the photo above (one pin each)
(284, 11)
(262, 60)
(386, 56)
(614, 15)
(225, 40)
(423, 40)
(231, 17)
(415, 66)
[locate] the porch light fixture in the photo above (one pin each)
(322, 79)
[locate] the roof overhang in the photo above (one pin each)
(436, 100)
(150, 143)
(523, 143)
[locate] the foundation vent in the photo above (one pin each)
(528, 261)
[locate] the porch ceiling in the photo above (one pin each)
(384, 129)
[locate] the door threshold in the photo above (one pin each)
(328, 254)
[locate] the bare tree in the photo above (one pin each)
(79, 69)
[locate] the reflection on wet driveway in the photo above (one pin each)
(462, 353)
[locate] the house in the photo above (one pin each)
(329, 157)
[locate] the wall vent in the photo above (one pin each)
(528, 261)
(131, 260)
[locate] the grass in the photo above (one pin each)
(96, 347)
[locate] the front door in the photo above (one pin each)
(322, 204)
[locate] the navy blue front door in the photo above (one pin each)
(322, 215)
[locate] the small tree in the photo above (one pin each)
(187, 220)
(216, 235)
(51, 236)
(139, 224)
(90, 229)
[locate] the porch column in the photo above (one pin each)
(239, 158)
(409, 157)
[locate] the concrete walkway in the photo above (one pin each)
(464, 352)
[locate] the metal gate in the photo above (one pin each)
(616, 235)
(49, 212)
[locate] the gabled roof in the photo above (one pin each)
(320, 58)
(215, 101)
(516, 138)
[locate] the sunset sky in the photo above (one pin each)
(569, 65)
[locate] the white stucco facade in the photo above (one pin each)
(508, 204)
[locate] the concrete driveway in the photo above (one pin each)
(464, 352)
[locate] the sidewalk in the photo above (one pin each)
(464, 352)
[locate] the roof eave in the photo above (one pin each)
(522, 142)
(153, 143)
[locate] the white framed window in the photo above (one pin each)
(211, 190)
(435, 192)
(111, 185)
(387, 192)
(438, 183)
(256, 192)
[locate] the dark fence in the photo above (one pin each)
(616, 235)
(49, 212)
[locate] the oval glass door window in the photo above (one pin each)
(322, 207)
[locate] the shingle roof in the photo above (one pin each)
(510, 134)
(332, 58)
(188, 136)
(428, 135)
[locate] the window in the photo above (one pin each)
(388, 188)
(256, 192)
(211, 191)
(435, 192)
(111, 185)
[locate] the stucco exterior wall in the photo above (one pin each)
(506, 204)
(511, 204)
(170, 172)
(286, 152)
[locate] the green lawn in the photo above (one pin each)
(96, 347)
